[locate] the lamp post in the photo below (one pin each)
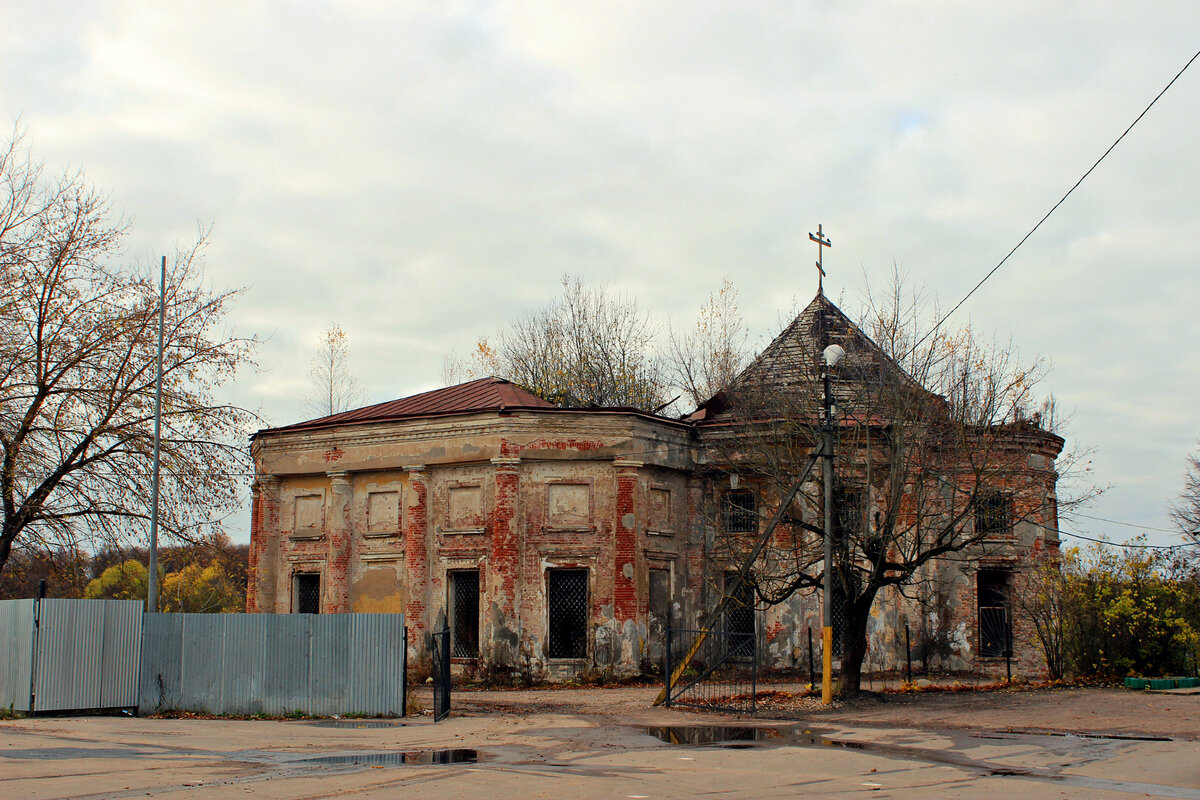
(832, 356)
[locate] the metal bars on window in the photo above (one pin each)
(308, 593)
(992, 513)
(740, 513)
(567, 598)
(464, 604)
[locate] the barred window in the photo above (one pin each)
(308, 593)
(993, 512)
(567, 598)
(848, 521)
(739, 512)
(463, 586)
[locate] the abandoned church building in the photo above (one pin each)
(563, 541)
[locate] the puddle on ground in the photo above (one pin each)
(411, 757)
(356, 723)
(72, 753)
(737, 735)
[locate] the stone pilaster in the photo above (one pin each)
(416, 554)
(625, 548)
(264, 540)
(339, 533)
(502, 601)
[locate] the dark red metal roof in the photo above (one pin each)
(485, 394)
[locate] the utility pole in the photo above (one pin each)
(831, 357)
(152, 590)
(827, 572)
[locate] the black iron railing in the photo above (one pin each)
(440, 652)
(722, 675)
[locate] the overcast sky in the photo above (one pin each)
(421, 174)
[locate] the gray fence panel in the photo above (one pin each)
(242, 673)
(16, 653)
(64, 635)
(274, 664)
(200, 660)
(328, 675)
(121, 654)
(161, 673)
(287, 658)
(70, 667)
(376, 667)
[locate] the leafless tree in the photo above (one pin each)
(78, 339)
(1186, 510)
(930, 427)
(706, 359)
(334, 387)
(590, 347)
(1045, 601)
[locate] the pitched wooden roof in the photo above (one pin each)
(485, 394)
(792, 361)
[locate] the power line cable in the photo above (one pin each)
(1126, 524)
(1061, 200)
(1127, 545)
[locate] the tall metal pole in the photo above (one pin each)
(152, 593)
(827, 580)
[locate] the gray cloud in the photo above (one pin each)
(421, 174)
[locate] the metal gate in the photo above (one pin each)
(994, 632)
(722, 675)
(440, 651)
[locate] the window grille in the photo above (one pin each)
(308, 594)
(740, 513)
(839, 607)
(567, 596)
(739, 617)
(848, 504)
(993, 513)
(464, 604)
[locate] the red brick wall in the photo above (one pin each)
(416, 557)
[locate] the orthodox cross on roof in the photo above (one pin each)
(822, 243)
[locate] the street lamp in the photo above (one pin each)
(831, 357)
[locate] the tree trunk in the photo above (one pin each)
(854, 649)
(6, 540)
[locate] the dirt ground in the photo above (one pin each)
(1110, 711)
(610, 743)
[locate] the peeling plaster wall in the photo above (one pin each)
(383, 512)
(509, 495)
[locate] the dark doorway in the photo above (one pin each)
(567, 598)
(464, 613)
(660, 612)
(994, 618)
(308, 593)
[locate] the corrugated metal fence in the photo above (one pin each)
(58, 654)
(274, 663)
(16, 653)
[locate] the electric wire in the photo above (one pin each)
(1061, 200)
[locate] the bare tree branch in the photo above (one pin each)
(78, 343)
